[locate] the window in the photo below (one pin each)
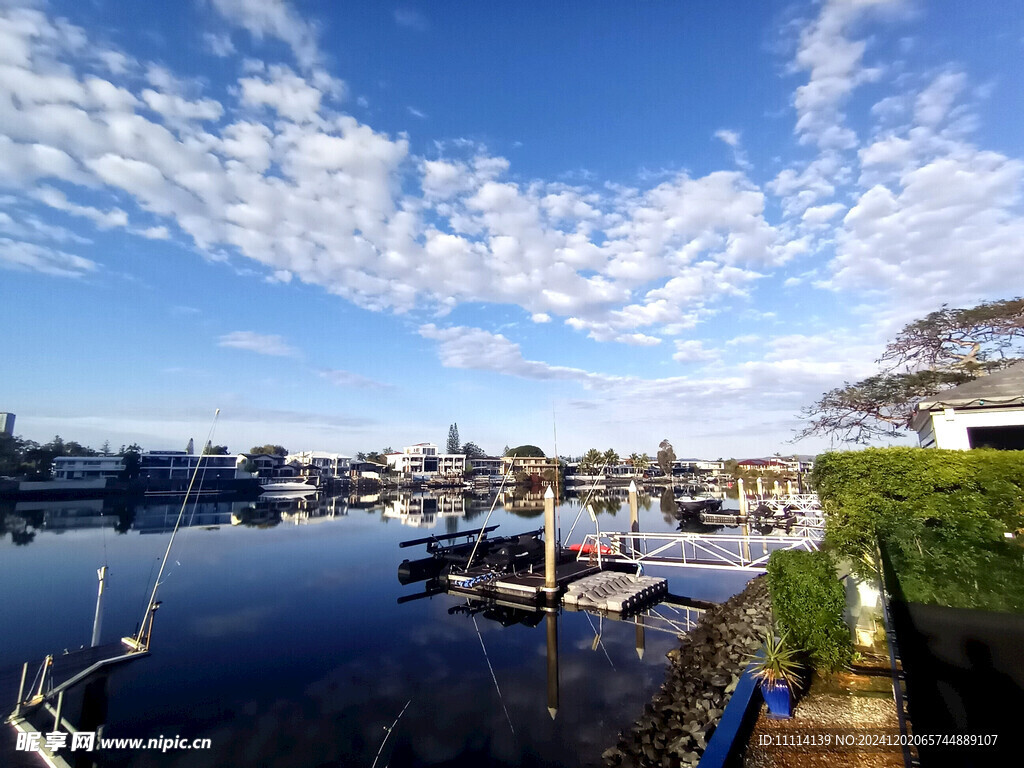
(1009, 438)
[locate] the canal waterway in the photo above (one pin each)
(281, 637)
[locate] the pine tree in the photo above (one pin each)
(453, 439)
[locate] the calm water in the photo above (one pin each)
(281, 638)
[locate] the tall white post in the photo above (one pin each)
(742, 496)
(550, 582)
(634, 509)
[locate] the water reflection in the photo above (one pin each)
(282, 638)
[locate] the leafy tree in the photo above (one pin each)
(105, 448)
(453, 439)
(131, 459)
(591, 462)
(946, 348)
(377, 457)
(215, 450)
(10, 454)
(666, 455)
(643, 463)
(472, 450)
(525, 450)
(269, 449)
(610, 457)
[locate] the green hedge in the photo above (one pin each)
(808, 603)
(941, 515)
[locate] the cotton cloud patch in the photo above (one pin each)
(261, 344)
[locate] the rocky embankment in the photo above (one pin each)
(678, 722)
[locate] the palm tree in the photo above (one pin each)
(591, 461)
(641, 463)
(610, 457)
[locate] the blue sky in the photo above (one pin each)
(348, 225)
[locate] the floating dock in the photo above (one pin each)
(526, 587)
(615, 592)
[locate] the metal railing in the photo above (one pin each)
(734, 552)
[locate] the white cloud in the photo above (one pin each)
(935, 101)
(411, 18)
(821, 215)
(103, 219)
(693, 351)
(263, 344)
(218, 45)
(274, 18)
(732, 138)
(291, 96)
(348, 379)
(155, 233)
(31, 257)
(951, 230)
(835, 68)
(177, 110)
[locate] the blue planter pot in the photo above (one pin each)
(779, 700)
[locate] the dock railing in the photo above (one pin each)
(695, 550)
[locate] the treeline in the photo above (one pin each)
(30, 460)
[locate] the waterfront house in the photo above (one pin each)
(320, 464)
(531, 465)
(178, 465)
(423, 459)
(87, 467)
(267, 466)
(985, 413)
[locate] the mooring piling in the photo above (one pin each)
(634, 508)
(550, 580)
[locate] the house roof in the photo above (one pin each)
(1002, 388)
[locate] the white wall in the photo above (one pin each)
(950, 426)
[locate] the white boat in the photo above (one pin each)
(287, 487)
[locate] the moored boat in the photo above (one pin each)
(287, 487)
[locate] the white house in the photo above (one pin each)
(87, 467)
(327, 464)
(423, 459)
(985, 413)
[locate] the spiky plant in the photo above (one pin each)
(777, 662)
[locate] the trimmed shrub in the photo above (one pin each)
(807, 604)
(940, 514)
(868, 494)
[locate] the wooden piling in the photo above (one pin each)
(550, 581)
(641, 637)
(742, 496)
(634, 508)
(760, 488)
(552, 629)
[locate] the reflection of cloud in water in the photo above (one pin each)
(240, 621)
(455, 717)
